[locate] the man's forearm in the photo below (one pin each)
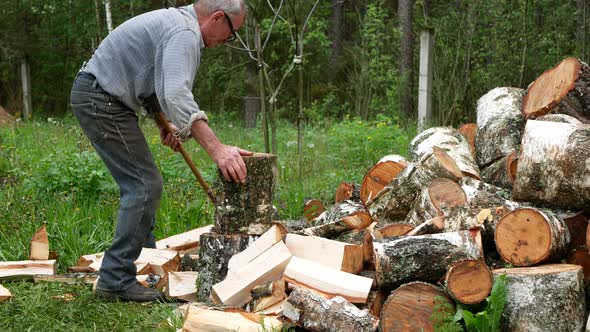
(201, 132)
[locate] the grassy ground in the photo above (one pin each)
(50, 174)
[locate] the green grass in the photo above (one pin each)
(50, 174)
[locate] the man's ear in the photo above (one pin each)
(218, 15)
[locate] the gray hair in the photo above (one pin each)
(231, 7)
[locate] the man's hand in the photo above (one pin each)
(170, 139)
(230, 162)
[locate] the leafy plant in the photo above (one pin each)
(489, 319)
(443, 317)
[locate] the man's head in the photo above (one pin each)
(219, 20)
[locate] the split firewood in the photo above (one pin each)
(245, 204)
(267, 295)
(553, 165)
(353, 215)
(440, 193)
(158, 261)
(375, 303)
(468, 281)
(151, 280)
(529, 236)
(581, 256)
(314, 312)
(544, 298)
(4, 293)
(563, 89)
(215, 251)
(235, 289)
(327, 281)
(424, 258)
(501, 172)
(381, 175)
(410, 308)
(390, 230)
(182, 285)
(40, 245)
(257, 248)
(395, 200)
(275, 309)
(577, 224)
(431, 226)
(71, 278)
(184, 243)
(450, 140)
(84, 262)
(312, 208)
(348, 191)
(211, 320)
(337, 255)
(499, 124)
(25, 270)
(469, 130)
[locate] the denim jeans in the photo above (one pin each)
(113, 130)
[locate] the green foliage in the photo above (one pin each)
(443, 318)
(487, 320)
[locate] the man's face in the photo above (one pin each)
(222, 28)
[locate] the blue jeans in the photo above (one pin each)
(113, 130)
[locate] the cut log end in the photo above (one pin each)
(395, 230)
(378, 177)
(469, 281)
(446, 193)
(312, 209)
(447, 162)
(346, 191)
(548, 90)
(469, 130)
(523, 237)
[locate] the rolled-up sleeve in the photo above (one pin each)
(174, 81)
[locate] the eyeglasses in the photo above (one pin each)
(231, 28)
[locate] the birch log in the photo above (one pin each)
(544, 298)
(499, 124)
(554, 165)
(381, 175)
(424, 258)
(468, 281)
(452, 142)
(440, 194)
(563, 89)
(529, 236)
(395, 200)
(409, 308)
(348, 191)
(313, 312)
(501, 172)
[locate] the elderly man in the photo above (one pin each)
(154, 54)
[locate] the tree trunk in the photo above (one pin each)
(379, 176)
(544, 298)
(215, 251)
(452, 142)
(406, 57)
(98, 23)
(424, 258)
(243, 206)
(563, 89)
(469, 281)
(499, 125)
(529, 236)
(395, 200)
(336, 25)
(258, 46)
(252, 100)
(313, 312)
(25, 74)
(410, 308)
(553, 165)
(107, 10)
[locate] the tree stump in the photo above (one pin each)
(348, 191)
(440, 194)
(395, 200)
(499, 124)
(424, 258)
(468, 281)
(409, 308)
(215, 251)
(312, 311)
(544, 298)
(563, 89)
(243, 205)
(529, 236)
(501, 172)
(452, 142)
(553, 165)
(380, 175)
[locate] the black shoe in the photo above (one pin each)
(135, 293)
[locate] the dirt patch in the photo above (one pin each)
(5, 117)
